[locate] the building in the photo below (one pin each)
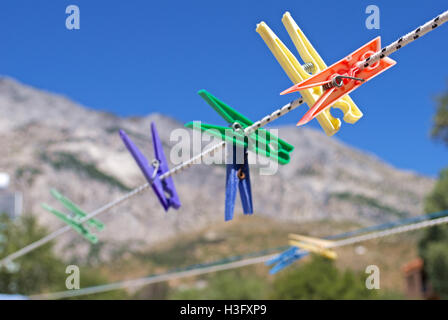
(11, 202)
(417, 284)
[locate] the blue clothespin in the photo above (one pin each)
(237, 176)
(285, 259)
(164, 189)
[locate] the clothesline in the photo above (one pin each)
(243, 261)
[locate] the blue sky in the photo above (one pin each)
(138, 57)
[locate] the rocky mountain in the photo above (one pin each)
(49, 141)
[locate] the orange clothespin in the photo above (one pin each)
(342, 78)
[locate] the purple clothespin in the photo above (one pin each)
(164, 189)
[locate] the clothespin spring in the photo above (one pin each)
(155, 164)
(240, 174)
(237, 127)
(309, 67)
(338, 82)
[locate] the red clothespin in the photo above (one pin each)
(342, 78)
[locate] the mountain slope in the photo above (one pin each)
(50, 141)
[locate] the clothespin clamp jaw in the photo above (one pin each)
(314, 245)
(238, 177)
(298, 72)
(300, 247)
(342, 78)
(261, 141)
(163, 188)
(285, 259)
(75, 217)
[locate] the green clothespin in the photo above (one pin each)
(79, 214)
(74, 221)
(265, 144)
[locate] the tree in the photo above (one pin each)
(436, 267)
(440, 125)
(437, 200)
(233, 285)
(36, 272)
(433, 246)
(320, 279)
(40, 270)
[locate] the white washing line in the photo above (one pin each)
(230, 265)
(153, 279)
(175, 170)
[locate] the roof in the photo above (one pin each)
(412, 266)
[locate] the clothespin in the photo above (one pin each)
(301, 246)
(342, 78)
(163, 188)
(237, 176)
(298, 73)
(285, 259)
(262, 141)
(318, 246)
(76, 215)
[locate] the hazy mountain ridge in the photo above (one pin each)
(51, 141)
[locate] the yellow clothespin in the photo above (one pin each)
(314, 245)
(297, 73)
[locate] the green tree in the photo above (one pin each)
(320, 279)
(436, 266)
(433, 246)
(235, 285)
(36, 272)
(40, 270)
(437, 200)
(440, 125)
